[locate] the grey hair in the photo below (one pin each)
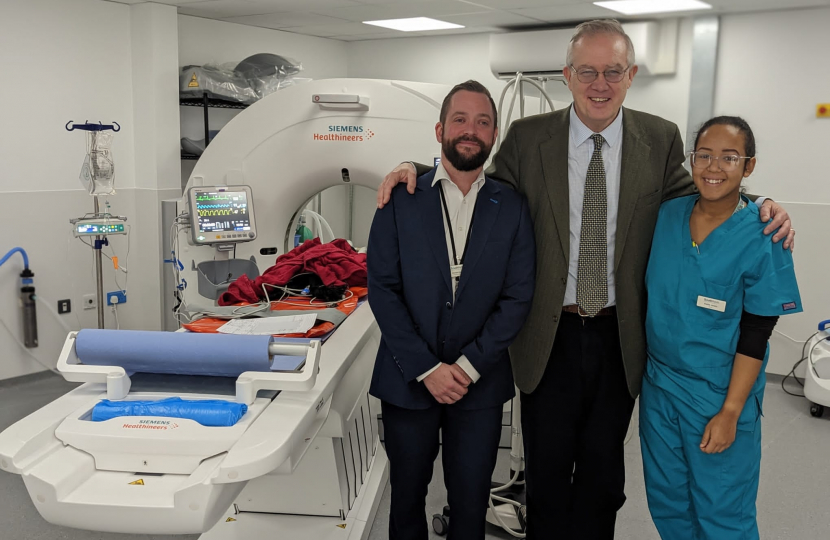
(605, 26)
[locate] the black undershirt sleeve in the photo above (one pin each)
(755, 333)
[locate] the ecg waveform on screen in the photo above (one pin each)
(220, 212)
(207, 213)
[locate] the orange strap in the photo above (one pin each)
(211, 325)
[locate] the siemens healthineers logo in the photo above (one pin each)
(152, 424)
(345, 134)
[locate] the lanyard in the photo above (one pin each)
(455, 260)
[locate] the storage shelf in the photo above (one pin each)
(212, 102)
(205, 103)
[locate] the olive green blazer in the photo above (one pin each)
(534, 159)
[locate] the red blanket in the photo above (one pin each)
(336, 263)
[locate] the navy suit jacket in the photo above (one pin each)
(410, 293)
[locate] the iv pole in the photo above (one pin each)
(100, 240)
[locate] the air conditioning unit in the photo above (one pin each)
(543, 52)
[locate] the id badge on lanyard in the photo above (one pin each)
(456, 266)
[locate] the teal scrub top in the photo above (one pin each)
(696, 295)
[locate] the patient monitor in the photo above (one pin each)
(221, 215)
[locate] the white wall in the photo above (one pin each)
(57, 69)
(772, 71)
(82, 60)
(667, 95)
(453, 59)
(434, 59)
(155, 68)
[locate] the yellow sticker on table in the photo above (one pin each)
(193, 82)
(139, 482)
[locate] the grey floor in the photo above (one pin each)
(793, 503)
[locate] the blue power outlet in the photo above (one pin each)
(121, 297)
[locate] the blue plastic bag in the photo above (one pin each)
(208, 412)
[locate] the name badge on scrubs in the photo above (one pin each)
(455, 270)
(711, 303)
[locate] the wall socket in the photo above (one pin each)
(90, 301)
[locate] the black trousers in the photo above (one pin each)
(574, 425)
(470, 444)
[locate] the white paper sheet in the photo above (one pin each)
(265, 326)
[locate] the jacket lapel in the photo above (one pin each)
(486, 211)
(555, 168)
(634, 152)
(428, 202)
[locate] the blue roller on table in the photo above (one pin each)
(208, 412)
(179, 353)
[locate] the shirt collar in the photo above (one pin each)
(441, 174)
(580, 132)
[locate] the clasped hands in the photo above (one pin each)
(448, 383)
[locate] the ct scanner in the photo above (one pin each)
(304, 462)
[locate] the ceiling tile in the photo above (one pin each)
(571, 12)
(727, 6)
(491, 18)
(218, 9)
(367, 37)
(285, 20)
(275, 6)
(455, 31)
(343, 29)
(168, 2)
(373, 12)
(513, 5)
(391, 1)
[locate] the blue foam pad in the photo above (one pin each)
(211, 413)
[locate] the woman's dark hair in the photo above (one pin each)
(735, 121)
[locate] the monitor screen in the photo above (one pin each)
(221, 211)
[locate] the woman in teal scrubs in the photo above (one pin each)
(716, 286)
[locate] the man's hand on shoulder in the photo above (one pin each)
(780, 221)
(405, 172)
(444, 386)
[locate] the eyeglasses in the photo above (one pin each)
(590, 75)
(727, 163)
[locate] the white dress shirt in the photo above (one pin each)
(580, 149)
(460, 208)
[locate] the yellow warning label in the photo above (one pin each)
(139, 482)
(342, 525)
(229, 520)
(193, 82)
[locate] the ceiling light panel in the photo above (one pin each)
(641, 7)
(414, 24)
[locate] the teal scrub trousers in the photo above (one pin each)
(693, 495)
